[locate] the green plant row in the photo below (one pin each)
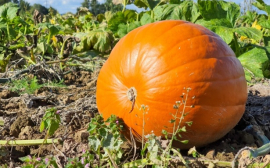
(85, 35)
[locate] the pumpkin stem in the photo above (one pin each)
(132, 94)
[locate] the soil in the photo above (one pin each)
(22, 115)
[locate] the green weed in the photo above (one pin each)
(30, 85)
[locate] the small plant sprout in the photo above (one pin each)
(105, 139)
(25, 85)
(177, 121)
(152, 150)
(50, 122)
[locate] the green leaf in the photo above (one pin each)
(102, 132)
(145, 19)
(267, 49)
(184, 141)
(158, 12)
(266, 65)
(122, 30)
(213, 23)
(108, 15)
(144, 148)
(17, 20)
(54, 30)
(233, 13)
(12, 12)
(195, 13)
(49, 113)
(49, 49)
(225, 33)
(266, 69)
(253, 61)
(94, 143)
(26, 159)
(262, 6)
(264, 24)
(69, 22)
(84, 45)
(100, 40)
(50, 120)
(154, 155)
(183, 129)
(249, 32)
(12, 32)
(151, 4)
(212, 9)
(164, 132)
(100, 17)
(174, 1)
(116, 20)
(266, 40)
(221, 27)
(216, 9)
(54, 125)
(42, 126)
(8, 10)
(187, 10)
(3, 11)
(3, 25)
(4, 62)
(172, 121)
(92, 127)
(109, 142)
(249, 17)
(189, 123)
(41, 47)
(130, 15)
(34, 84)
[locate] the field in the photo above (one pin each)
(22, 115)
(49, 66)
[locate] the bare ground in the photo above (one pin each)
(23, 113)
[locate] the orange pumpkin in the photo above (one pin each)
(155, 62)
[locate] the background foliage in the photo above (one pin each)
(36, 33)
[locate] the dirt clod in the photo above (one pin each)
(26, 133)
(19, 123)
(82, 136)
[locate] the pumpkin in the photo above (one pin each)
(153, 63)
